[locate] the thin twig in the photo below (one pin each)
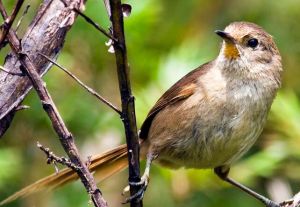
(24, 13)
(9, 20)
(66, 138)
(52, 158)
(9, 72)
(90, 21)
(90, 90)
(128, 108)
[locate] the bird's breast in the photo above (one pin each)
(212, 128)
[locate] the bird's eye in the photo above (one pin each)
(252, 42)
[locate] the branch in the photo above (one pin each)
(66, 138)
(90, 90)
(46, 34)
(52, 158)
(90, 21)
(128, 108)
(9, 20)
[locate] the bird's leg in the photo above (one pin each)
(144, 180)
(222, 173)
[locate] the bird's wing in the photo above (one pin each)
(181, 90)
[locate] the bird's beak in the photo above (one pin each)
(226, 36)
(230, 50)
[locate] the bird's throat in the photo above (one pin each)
(230, 51)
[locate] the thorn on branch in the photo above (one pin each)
(53, 159)
(22, 107)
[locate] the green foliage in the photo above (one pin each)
(165, 40)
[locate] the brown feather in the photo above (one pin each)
(182, 89)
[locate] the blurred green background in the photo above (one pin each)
(165, 40)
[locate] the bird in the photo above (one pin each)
(206, 120)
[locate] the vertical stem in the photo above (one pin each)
(128, 108)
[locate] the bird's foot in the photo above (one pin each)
(138, 196)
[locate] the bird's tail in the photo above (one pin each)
(103, 166)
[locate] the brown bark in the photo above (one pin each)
(46, 35)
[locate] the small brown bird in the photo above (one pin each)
(208, 119)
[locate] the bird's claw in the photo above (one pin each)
(138, 196)
(126, 190)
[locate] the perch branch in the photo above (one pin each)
(128, 108)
